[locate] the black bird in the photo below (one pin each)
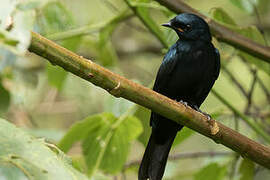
(187, 73)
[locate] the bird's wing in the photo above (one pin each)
(217, 65)
(165, 71)
(208, 83)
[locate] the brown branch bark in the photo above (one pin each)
(122, 87)
(221, 32)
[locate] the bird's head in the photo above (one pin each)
(190, 26)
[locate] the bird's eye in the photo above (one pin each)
(187, 27)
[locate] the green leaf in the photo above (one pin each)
(32, 156)
(56, 76)
(107, 54)
(143, 114)
(245, 5)
(8, 171)
(106, 140)
(56, 18)
(79, 131)
(117, 149)
(107, 146)
(247, 170)
(212, 171)
(117, 106)
(182, 135)
(220, 15)
(4, 98)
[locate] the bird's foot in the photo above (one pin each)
(208, 116)
(184, 103)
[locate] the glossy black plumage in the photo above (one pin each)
(187, 73)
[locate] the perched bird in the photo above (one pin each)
(187, 73)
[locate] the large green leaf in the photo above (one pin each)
(247, 170)
(8, 171)
(212, 171)
(32, 157)
(106, 140)
(107, 146)
(79, 131)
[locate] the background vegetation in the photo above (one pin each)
(105, 137)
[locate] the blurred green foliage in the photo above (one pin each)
(32, 157)
(104, 136)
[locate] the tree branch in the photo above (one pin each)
(121, 87)
(221, 32)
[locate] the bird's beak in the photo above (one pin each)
(167, 25)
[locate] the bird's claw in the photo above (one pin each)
(208, 116)
(183, 102)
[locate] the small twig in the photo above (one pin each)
(88, 29)
(188, 155)
(111, 6)
(235, 81)
(265, 90)
(198, 155)
(250, 93)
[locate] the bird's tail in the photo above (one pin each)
(155, 156)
